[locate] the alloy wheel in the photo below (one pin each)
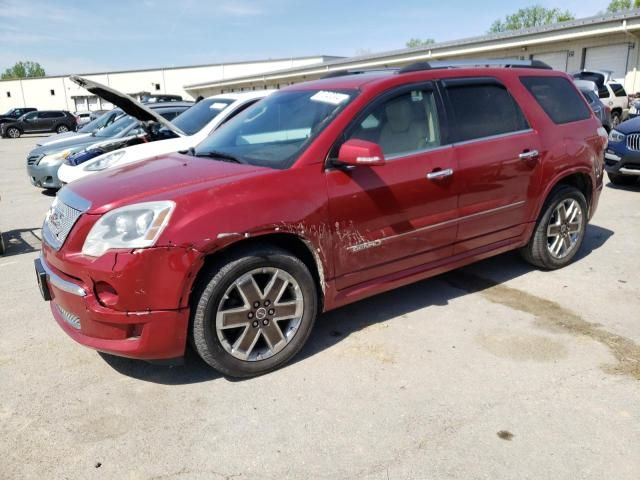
(62, 129)
(565, 228)
(13, 132)
(259, 314)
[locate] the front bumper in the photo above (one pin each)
(128, 326)
(627, 163)
(69, 173)
(44, 176)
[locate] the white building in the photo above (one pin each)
(609, 42)
(58, 93)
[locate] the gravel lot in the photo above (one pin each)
(494, 371)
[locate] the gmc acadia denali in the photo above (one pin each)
(320, 195)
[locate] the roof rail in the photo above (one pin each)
(506, 63)
(343, 73)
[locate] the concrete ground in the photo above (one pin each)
(496, 371)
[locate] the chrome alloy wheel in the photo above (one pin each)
(259, 314)
(62, 129)
(565, 228)
(13, 132)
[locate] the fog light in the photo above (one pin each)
(106, 294)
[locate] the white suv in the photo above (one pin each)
(190, 128)
(611, 92)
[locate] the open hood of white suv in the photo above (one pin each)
(128, 104)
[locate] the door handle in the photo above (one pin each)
(436, 175)
(529, 155)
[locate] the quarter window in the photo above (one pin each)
(618, 90)
(558, 98)
(404, 124)
(483, 110)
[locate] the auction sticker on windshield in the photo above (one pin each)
(333, 98)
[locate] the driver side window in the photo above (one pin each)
(404, 124)
(30, 116)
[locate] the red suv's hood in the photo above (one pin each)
(161, 178)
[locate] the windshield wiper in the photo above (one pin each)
(225, 157)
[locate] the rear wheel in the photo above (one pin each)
(62, 129)
(254, 312)
(618, 179)
(616, 118)
(13, 132)
(2, 246)
(560, 229)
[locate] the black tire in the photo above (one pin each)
(619, 179)
(616, 118)
(536, 252)
(2, 246)
(62, 129)
(208, 295)
(12, 132)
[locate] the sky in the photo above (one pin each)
(70, 36)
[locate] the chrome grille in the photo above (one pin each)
(34, 159)
(69, 317)
(633, 142)
(59, 221)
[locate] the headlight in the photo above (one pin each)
(54, 158)
(615, 136)
(134, 226)
(105, 161)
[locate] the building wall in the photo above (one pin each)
(36, 92)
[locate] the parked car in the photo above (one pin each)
(161, 97)
(622, 158)
(611, 92)
(322, 194)
(15, 113)
(590, 92)
(43, 162)
(104, 120)
(634, 109)
(196, 123)
(58, 121)
(2, 245)
(97, 113)
(82, 118)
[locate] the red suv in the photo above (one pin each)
(320, 195)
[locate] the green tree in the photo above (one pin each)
(418, 42)
(531, 17)
(23, 70)
(619, 5)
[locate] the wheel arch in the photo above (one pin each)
(579, 179)
(295, 245)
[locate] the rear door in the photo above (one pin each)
(390, 218)
(497, 154)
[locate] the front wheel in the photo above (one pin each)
(253, 313)
(62, 129)
(616, 119)
(560, 229)
(13, 132)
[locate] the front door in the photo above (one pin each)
(498, 161)
(390, 218)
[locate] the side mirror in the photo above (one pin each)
(356, 152)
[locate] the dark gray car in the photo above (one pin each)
(44, 161)
(59, 121)
(590, 92)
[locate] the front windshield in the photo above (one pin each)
(274, 132)
(193, 119)
(116, 127)
(100, 122)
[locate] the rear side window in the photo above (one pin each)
(483, 110)
(51, 114)
(603, 92)
(558, 98)
(618, 90)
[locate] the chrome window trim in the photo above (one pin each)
(494, 137)
(398, 156)
(61, 283)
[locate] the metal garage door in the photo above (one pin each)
(556, 60)
(612, 57)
